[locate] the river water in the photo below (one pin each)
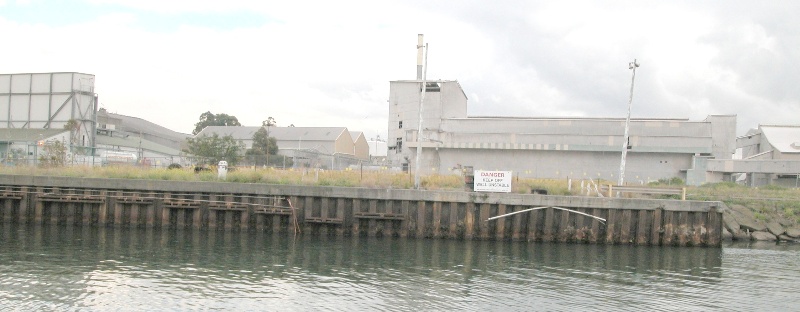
(91, 269)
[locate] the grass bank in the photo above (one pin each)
(767, 203)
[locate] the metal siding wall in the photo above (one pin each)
(21, 83)
(5, 84)
(39, 104)
(40, 83)
(19, 109)
(562, 164)
(62, 82)
(4, 108)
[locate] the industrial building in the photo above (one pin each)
(318, 147)
(37, 108)
(138, 141)
(568, 147)
(770, 154)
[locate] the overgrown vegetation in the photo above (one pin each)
(770, 203)
(53, 155)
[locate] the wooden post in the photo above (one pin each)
(483, 224)
(548, 225)
(341, 206)
(8, 206)
(323, 212)
(388, 225)
(71, 213)
(164, 211)
(533, 226)
(595, 235)
(641, 227)
(683, 193)
(437, 219)
(656, 227)
(469, 223)
(500, 231)
(669, 228)
(714, 227)
(403, 224)
(151, 210)
(134, 221)
(564, 231)
(356, 222)
(244, 218)
(611, 225)
(212, 214)
(276, 219)
(102, 213)
(421, 218)
(117, 209)
(22, 216)
(372, 224)
(625, 229)
(229, 214)
(199, 212)
(86, 210)
(38, 209)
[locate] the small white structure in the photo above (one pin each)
(222, 169)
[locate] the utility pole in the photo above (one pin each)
(419, 130)
(632, 65)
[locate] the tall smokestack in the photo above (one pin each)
(419, 57)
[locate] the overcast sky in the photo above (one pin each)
(329, 63)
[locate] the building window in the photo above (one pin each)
(399, 145)
(400, 125)
(432, 87)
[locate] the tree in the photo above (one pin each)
(74, 127)
(265, 143)
(214, 148)
(54, 154)
(262, 145)
(209, 119)
(268, 123)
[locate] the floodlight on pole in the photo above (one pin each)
(625, 139)
(423, 83)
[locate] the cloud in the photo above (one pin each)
(169, 62)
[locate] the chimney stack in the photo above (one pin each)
(419, 57)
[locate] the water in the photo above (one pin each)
(90, 269)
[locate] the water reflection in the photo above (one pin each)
(103, 268)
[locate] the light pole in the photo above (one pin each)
(419, 130)
(632, 65)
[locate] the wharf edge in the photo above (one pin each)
(346, 211)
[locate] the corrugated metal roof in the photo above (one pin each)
(238, 133)
(27, 135)
(307, 133)
(786, 139)
(136, 142)
(279, 133)
(355, 135)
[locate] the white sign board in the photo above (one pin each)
(492, 181)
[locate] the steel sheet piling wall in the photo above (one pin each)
(356, 211)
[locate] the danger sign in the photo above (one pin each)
(492, 181)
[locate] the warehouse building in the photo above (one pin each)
(770, 154)
(658, 148)
(41, 109)
(314, 147)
